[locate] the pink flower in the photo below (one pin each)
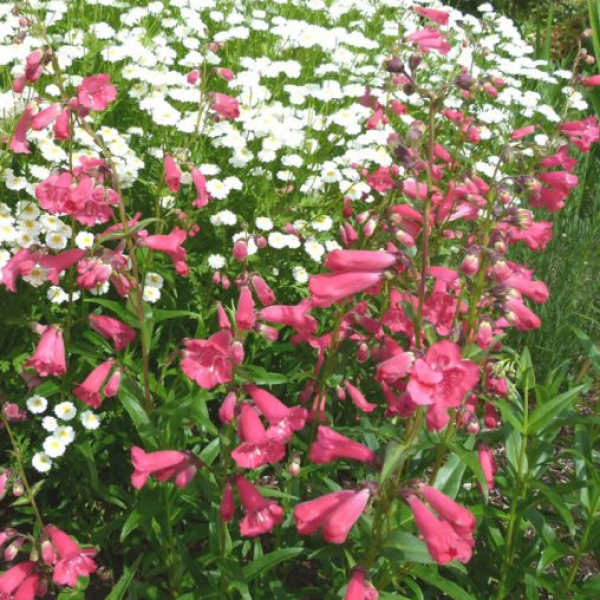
(461, 519)
(89, 391)
(292, 316)
(359, 260)
(336, 513)
(46, 116)
(392, 369)
(73, 561)
(518, 134)
(172, 174)
(536, 290)
(442, 377)
(120, 334)
(245, 317)
(209, 362)
(96, 92)
(358, 399)
(49, 355)
(263, 291)
(520, 316)
(329, 289)
(582, 134)
(163, 464)
(283, 420)
(262, 515)
(358, 588)
(62, 125)
(443, 542)
(330, 446)
(225, 106)
(171, 246)
(112, 386)
(257, 448)
(12, 580)
(227, 408)
(430, 39)
(592, 81)
(562, 181)
(201, 192)
(437, 16)
(488, 464)
(227, 507)
(19, 143)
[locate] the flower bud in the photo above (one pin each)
(363, 352)
(484, 335)
(267, 332)
(13, 548)
(393, 65)
(260, 241)
(227, 408)
(501, 270)
(18, 487)
(237, 352)
(240, 251)
(227, 508)
(470, 264)
(473, 427)
(341, 393)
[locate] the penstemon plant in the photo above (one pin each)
(221, 416)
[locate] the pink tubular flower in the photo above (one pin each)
(120, 334)
(336, 513)
(359, 260)
(430, 39)
(73, 561)
(442, 377)
(262, 515)
(225, 106)
(209, 362)
(394, 368)
(171, 246)
(49, 355)
(257, 448)
(488, 464)
(89, 391)
(227, 507)
(359, 588)
(330, 446)
(62, 125)
(96, 92)
(592, 81)
(443, 542)
(245, 318)
(520, 316)
(358, 399)
(328, 289)
(437, 16)
(202, 195)
(518, 134)
(461, 519)
(283, 420)
(263, 291)
(172, 174)
(163, 464)
(19, 143)
(112, 386)
(582, 134)
(12, 580)
(46, 116)
(292, 316)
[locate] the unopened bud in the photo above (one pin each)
(470, 264)
(240, 251)
(393, 65)
(237, 353)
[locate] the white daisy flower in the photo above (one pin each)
(54, 447)
(65, 411)
(37, 404)
(89, 420)
(41, 462)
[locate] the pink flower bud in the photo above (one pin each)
(226, 74)
(341, 393)
(363, 352)
(501, 270)
(470, 264)
(227, 408)
(112, 386)
(269, 333)
(237, 352)
(48, 553)
(13, 548)
(227, 508)
(18, 487)
(240, 251)
(260, 241)
(193, 76)
(294, 469)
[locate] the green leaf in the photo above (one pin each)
(261, 376)
(265, 563)
(133, 522)
(124, 582)
(393, 458)
(406, 547)
(132, 398)
(513, 452)
(164, 315)
(543, 415)
(449, 477)
(433, 577)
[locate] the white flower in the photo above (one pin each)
(292, 241)
(37, 404)
(151, 294)
(153, 280)
(277, 240)
(300, 274)
(264, 223)
(100, 289)
(89, 420)
(57, 295)
(323, 223)
(41, 462)
(49, 424)
(65, 411)
(217, 189)
(56, 240)
(314, 249)
(54, 447)
(50, 222)
(225, 217)
(65, 433)
(37, 276)
(216, 261)
(84, 240)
